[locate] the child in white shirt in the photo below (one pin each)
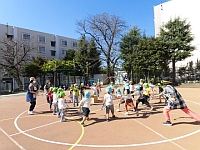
(55, 101)
(85, 103)
(108, 101)
(62, 106)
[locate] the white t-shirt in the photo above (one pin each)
(128, 96)
(61, 103)
(109, 99)
(85, 102)
(131, 87)
(55, 98)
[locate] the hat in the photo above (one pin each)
(146, 85)
(165, 82)
(138, 88)
(87, 94)
(61, 94)
(109, 89)
(159, 84)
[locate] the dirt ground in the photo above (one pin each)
(44, 131)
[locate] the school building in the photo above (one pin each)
(47, 45)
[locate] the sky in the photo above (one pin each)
(59, 17)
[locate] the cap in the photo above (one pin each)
(87, 94)
(165, 82)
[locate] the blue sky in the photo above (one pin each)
(59, 16)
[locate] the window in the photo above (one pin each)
(53, 43)
(26, 36)
(26, 47)
(41, 39)
(53, 53)
(28, 57)
(41, 49)
(63, 43)
(63, 51)
(74, 44)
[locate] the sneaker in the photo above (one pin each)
(168, 123)
(118, 110)
(107, 119)
(88, 119)
(126, 113)
(137, 114)
(83, 124)
(151, 108)
(31, 113)
(63, 120)
(133, 110)
(58, 116)
(113, 116)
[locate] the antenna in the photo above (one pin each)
(7, 28)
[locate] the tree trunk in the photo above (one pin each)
(173, 72)
(108, 69)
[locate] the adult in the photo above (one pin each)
(174, 101)
(46, 90)
(125, 80)
(31, 95)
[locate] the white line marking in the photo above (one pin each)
(35, 128)
(105, 146)
(159, 134)
(12, 139)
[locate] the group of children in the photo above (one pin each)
(57, 99)
(140, 93)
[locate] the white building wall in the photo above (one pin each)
(185, 9)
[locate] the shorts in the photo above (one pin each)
(110, 108)
(129, 101)
(86, 111)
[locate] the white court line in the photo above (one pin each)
(159, 134)
(35, 128)
(106, 146)
(12, 139)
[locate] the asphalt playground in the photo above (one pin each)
(44, 131)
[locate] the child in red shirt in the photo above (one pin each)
(50, 95)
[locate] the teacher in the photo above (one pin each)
(31, 95)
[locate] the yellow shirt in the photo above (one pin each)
(147, 91)
(75, 91)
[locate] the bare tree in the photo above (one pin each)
(106, 30)
(13, 55)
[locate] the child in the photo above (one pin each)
(50, 95)
(147, 92)
(61, 106)
(119, 96)
(55, 100)
(75, 94)
(140, 98)
(160, 90)
(112, 86)
(131, 86)
(108, 102)
(128, 101)
(71, 95)
(94, 88)
(98, 87)
(85, 103)
(82, 89)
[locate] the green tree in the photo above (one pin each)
(54, 65)
(34, 68)
(70, 54)
(87, 57)
(177, 36)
